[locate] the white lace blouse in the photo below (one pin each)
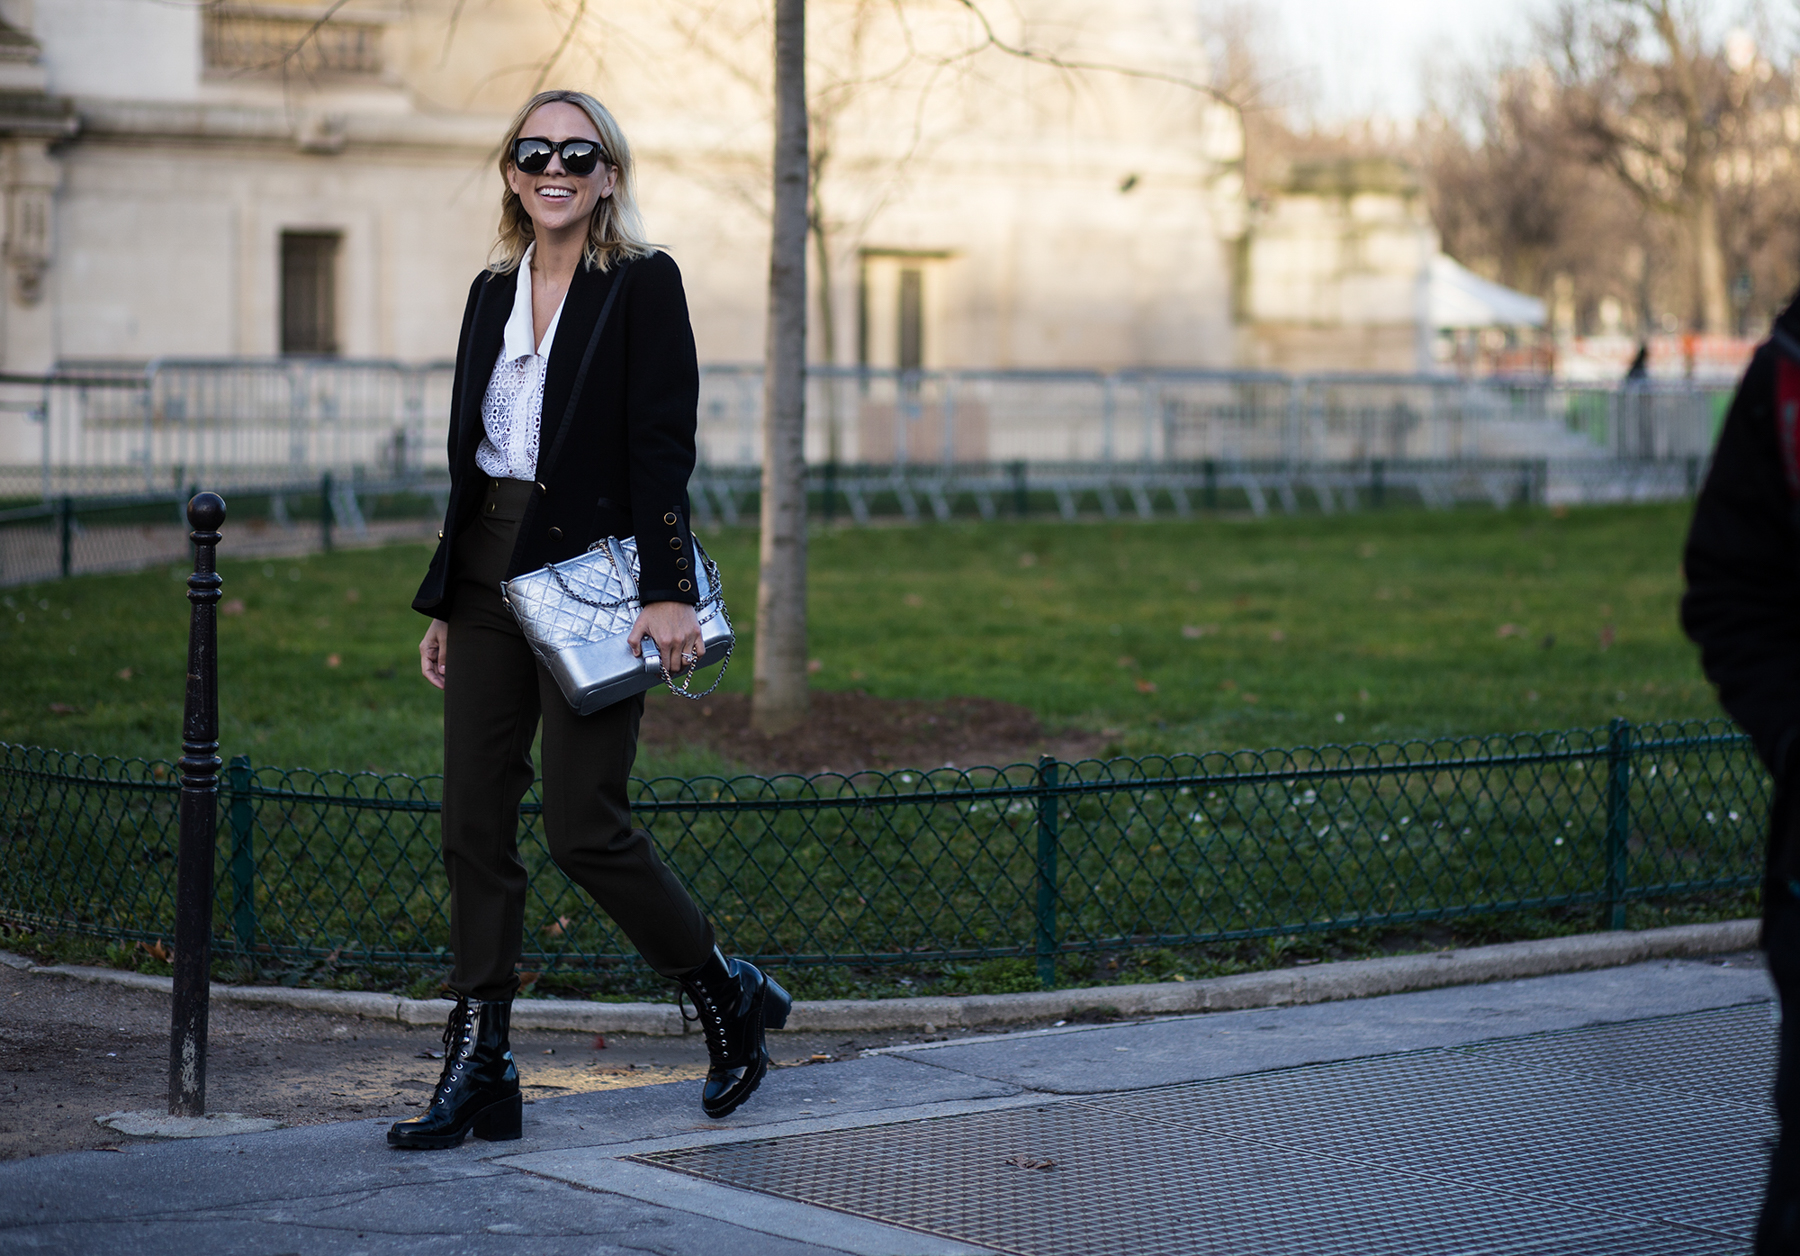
(513, 408)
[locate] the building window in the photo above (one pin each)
(309, 291)
(898, 302)
(912, 319)
(242, 42)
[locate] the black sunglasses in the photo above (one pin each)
(579, 157)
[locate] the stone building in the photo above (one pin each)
(243, 180)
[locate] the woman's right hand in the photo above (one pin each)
(434, 652)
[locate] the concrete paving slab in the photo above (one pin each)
(504, 1214)
(1094, 1059)
(851, 1089)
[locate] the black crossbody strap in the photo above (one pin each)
(546, 461)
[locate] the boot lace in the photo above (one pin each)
(460, 1024)
(710, 1018)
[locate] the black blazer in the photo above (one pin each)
(625, 460)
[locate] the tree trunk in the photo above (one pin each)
(827, 329)
(1710, 294)
(779, 698)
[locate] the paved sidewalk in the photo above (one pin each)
(1587, 1114)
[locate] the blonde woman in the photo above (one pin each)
(572, 419)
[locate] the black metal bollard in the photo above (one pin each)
(199, 818)
(65, 529)
(325, 512)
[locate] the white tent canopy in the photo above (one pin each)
(1461, 298)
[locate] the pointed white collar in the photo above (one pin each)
(516, 342)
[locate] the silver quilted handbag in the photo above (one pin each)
(576, 616)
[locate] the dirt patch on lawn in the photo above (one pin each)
(851, 732)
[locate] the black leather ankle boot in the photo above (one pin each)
(735, 1002)
(479, 1088)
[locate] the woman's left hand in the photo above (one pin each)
(674, 628)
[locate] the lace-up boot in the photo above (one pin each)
(735, 1003)
(479, 1088)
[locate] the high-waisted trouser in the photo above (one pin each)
(495, 691)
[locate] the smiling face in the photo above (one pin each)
(557, 202)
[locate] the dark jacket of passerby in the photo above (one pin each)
(1743, 608)
(1742, 604)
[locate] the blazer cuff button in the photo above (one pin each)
(684, 586)
(556, 534)
(681, 564)
(675, 542)
(669, 518)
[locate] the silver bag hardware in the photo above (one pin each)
(577, 614)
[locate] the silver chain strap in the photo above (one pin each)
(715, 598)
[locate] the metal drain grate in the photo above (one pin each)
(1492, 1150)
(1726, 1055)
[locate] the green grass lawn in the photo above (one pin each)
(1169, 636)
(1166, 636)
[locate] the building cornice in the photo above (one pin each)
(33, 115)
(306, 129)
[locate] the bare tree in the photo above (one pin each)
(780, 699)
(1514, 198)
(1653, 122)
(1622, 156)
(886, 55)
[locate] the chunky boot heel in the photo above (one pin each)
(479, 1089)
(777, 1003)
(503, 1122)
(735, 1003)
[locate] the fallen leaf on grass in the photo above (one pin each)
(1145, 686)
(332, 660)
(1275, 634)
(156, 950)
(1607, 637)
(124, 673)
(1509, 630)
(556, 928)
(61, 708)
(1125, 660)
(913, 599)
(232, 606)
(1025, 1162)
(815, 666)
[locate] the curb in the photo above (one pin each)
(1344, 979)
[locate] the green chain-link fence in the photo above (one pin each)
(1030, 860)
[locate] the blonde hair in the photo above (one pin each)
(615, 231)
